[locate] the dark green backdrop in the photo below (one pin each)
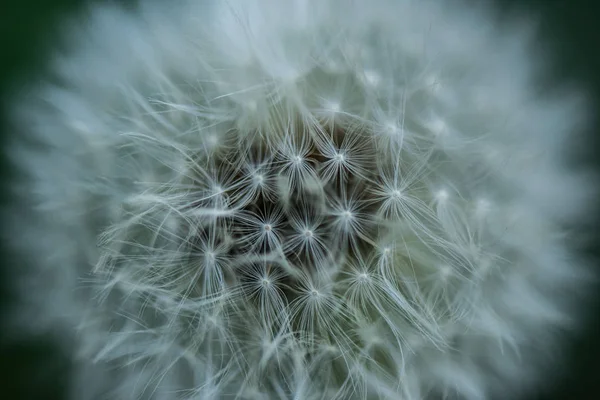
(33, 369)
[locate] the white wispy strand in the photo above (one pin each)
(299, 199)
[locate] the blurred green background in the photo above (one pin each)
(32, 368)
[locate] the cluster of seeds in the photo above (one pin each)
(299, 199)
(324, 236)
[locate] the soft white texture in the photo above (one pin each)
(412, 188)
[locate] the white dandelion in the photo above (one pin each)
(299, 199)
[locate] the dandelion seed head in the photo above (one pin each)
(442, 195)
(280, 200)
(333, 106)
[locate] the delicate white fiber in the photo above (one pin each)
(300, 199)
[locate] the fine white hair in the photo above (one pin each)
(300, 199)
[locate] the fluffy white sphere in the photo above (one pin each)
(300, 199)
